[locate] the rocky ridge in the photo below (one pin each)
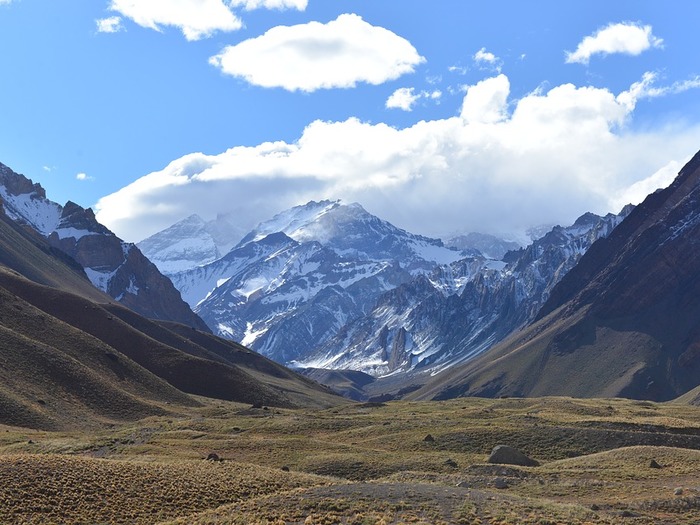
(112, 265)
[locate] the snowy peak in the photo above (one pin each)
(489, 246)
(351, 231)
(190, 242)
(25, 202)
(296, 222)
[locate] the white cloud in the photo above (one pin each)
(460, 70)
(313, 56)
(249, 5)
(402, 98)
(486, 102)
(83, 176)
(487, 60)
(628, 38)
(112, 24)
(638, 191)
(5, 2)
(484, 56)
(501, 166)
(195, 18)
(406, 98)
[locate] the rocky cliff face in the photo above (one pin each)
(113, 266)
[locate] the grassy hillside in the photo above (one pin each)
(364, 463)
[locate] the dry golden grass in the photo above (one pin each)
(364, 464)
(65, 489)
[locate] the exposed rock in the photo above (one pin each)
(500, 483)
(505, 455)
(678, 491)
(451, 463)
(654, 464)
(213, 456)
(429, 439)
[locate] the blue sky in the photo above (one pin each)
(440, 116)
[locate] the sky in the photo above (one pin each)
(441, 116)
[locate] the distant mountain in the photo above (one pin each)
(623, 322)
(112, 265)
(295, 280)
(489, 246)
(190, 243)
(459, 310)
(70, 357)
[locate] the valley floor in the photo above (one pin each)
(413, 463)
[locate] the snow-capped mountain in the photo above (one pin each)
(461, 309)
(490, 246)
(112, 265)
(190, 243)
(295, 280)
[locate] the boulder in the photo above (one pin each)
(505, 455)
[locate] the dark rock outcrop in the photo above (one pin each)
(505, 455)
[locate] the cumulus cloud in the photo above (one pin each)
(406, 98)
(628, 38)
(499, 166)
(402, 98)
(249, 5)
(487, 60)
(195, 18)
(83, 176)
(638, 191)
(308, 57)
(112, 24)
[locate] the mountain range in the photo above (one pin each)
(327, 285)
(604, 307)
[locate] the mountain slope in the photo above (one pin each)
(623, 322)
(113, 266)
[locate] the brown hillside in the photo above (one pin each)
(196, 371)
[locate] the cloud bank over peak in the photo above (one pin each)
(312, 56)
(628, 38)
(500, 166)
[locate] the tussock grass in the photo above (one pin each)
(65, 489)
